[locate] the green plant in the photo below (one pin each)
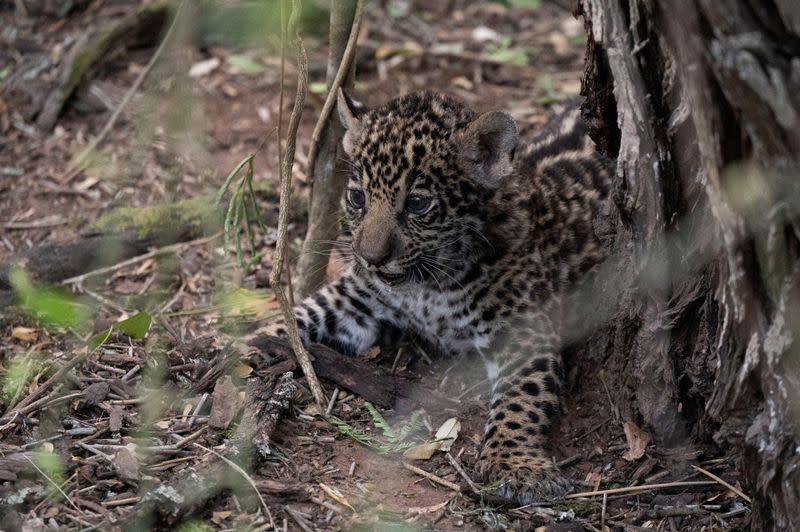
(392, 439)
(237, 210)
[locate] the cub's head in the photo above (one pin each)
(421, 170)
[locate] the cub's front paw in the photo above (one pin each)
(275, 328)
(524, 482)
(262, 339)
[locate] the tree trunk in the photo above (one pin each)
(327, 178)
(699, 103)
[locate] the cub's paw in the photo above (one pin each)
(537, 480)
(262, 339)
(275, 328)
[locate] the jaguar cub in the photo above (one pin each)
(463, 236)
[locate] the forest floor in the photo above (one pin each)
(117, 425)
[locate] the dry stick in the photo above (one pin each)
(712, 476)
(432, 477)
(344, 68)
(121, 502)
(298, 519)
(643, 487)
(283, 213)
(457, 466)
(77, 164)
(603, 512)
(140, 258)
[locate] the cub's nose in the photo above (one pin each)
(375, 245)
(377, 255)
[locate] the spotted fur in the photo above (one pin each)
(459, 234)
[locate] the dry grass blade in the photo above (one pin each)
(244, 474)
(54, 483)
(283, 213)
(728, 485)
(333, 90)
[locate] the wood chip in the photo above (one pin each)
(225, 403)
(94, 394)
(126, 464)
(115, 416)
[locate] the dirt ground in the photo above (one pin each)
(208, 103)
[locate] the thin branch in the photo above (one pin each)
(460, 469)
(344, 68)
(140, 258)
(432, 477)
(283, 214)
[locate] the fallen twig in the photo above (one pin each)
(643, 487)
(264, 405)
(432, 477)
(55, 485)
(27, 404)
(301, 522)
(139, 258)
(728, 485)
(457, 466)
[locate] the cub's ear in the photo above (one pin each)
(350, 112)
(488, 145)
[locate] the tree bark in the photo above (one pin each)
(699, 103)
(327, 178)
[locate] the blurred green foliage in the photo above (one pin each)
(194, 526)
(18, 376)
(254, 23)
(530, 4)
(53, 306)
(49, 464)
(505, 53)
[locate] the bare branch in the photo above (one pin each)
(283, 217)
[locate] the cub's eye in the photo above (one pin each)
(416, 204)
(356, 198)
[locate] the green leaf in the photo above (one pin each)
(53, 306)
(245, 65)
(136, 327)
(530, 4)
(318, 87)
(227, 183)
(505, 53)
(5, 72)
